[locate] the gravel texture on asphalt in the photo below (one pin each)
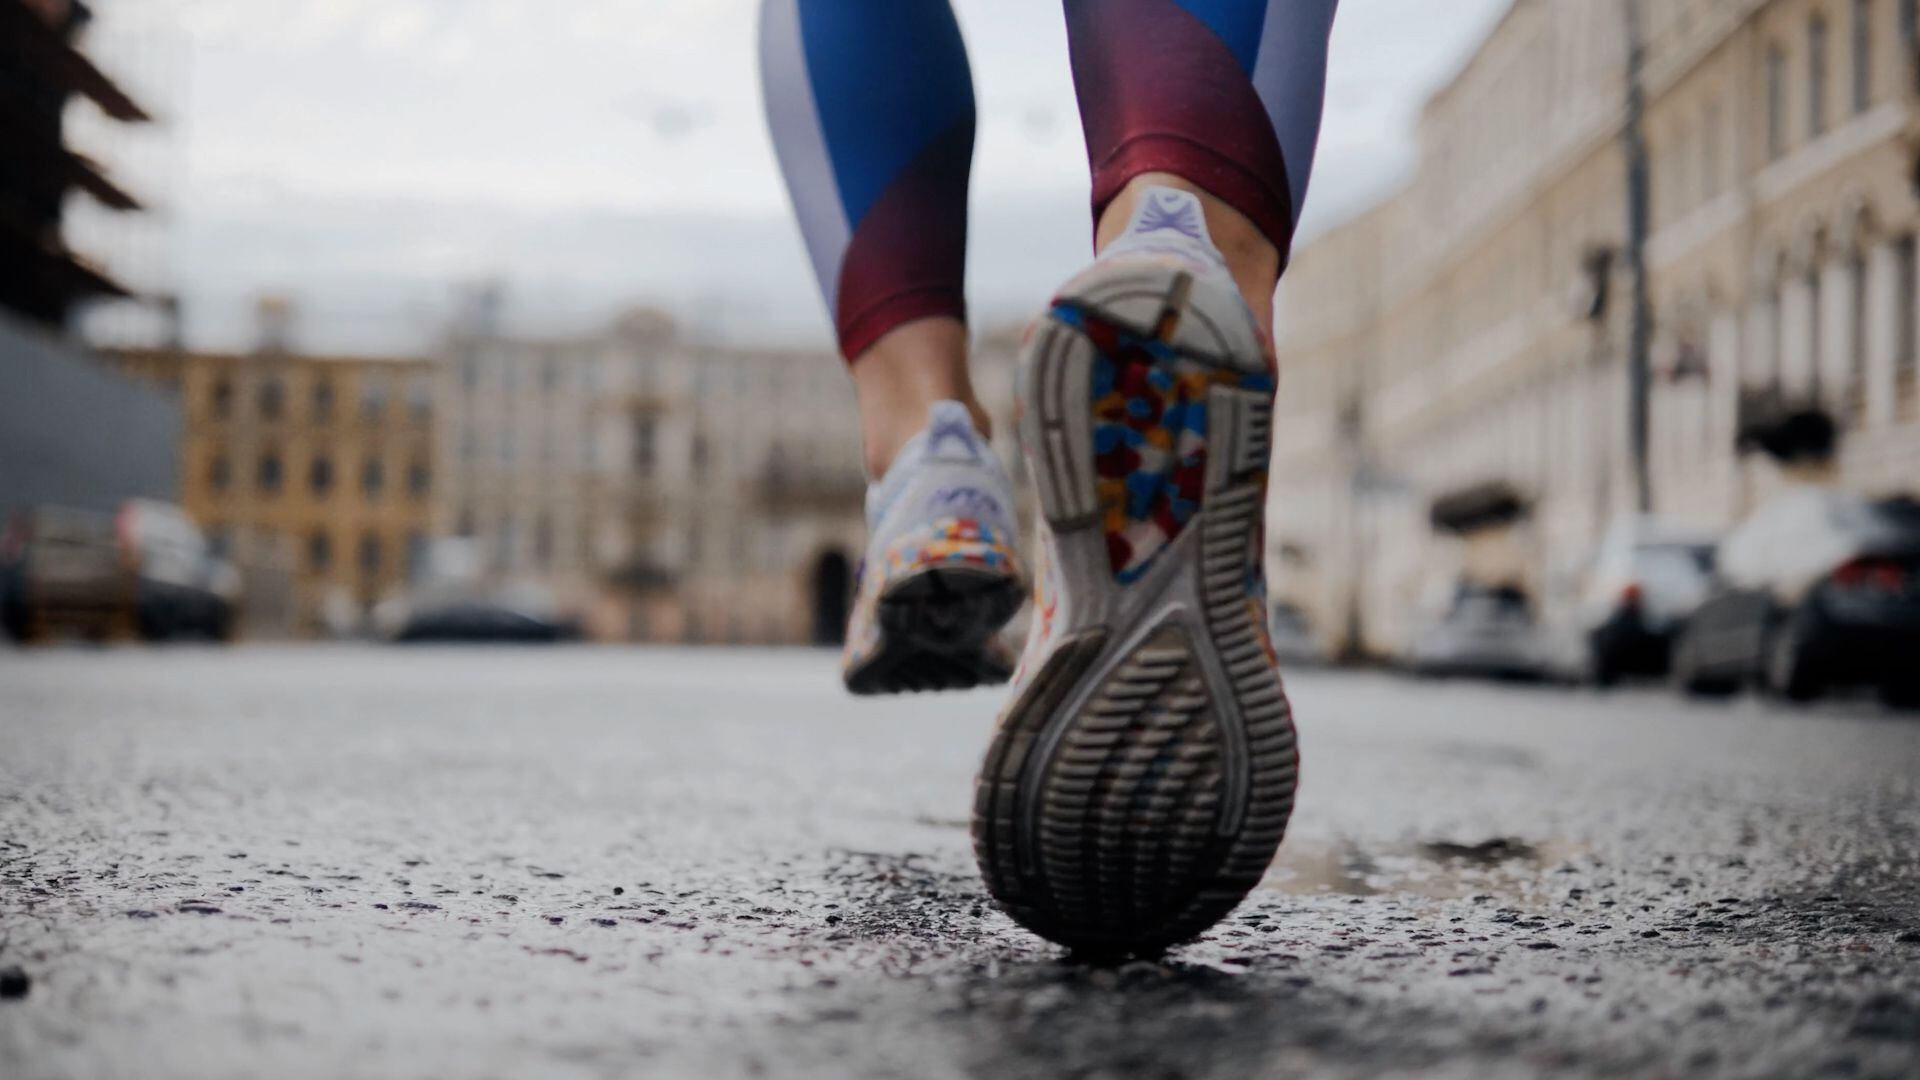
(593, 863)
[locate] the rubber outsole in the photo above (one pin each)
(939, 631)
(1140, 783)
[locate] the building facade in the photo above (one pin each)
(314, 474)
(668, 488)
(1473, 328)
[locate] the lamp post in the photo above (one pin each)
(1640, 334)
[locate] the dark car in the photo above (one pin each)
(1487, 631)
(145, 571)
(1819, 588)
(478, 622)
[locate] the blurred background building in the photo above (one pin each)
(668, 488)
(313, 474)
(1463, 350)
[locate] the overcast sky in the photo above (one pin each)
(369, 156)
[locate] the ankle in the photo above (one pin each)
(898, 380)
(1251, 258)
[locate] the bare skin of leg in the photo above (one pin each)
(1252, 258)
(898, 378)
(915, 364)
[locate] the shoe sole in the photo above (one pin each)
(938, 631)
(1139, 785)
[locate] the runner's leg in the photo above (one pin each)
(1219, 97)
(872, 111)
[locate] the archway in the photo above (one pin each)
(832, 594)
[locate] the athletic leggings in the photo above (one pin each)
(871, 105)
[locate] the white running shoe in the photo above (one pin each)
(940, 577)
(1143, 773)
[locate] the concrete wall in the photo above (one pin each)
(73, 431)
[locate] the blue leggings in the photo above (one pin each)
(872, 110)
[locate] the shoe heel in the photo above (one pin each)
(1138, 786)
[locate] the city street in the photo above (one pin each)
(346, 861)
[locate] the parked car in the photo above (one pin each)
(1645, 581)
(1819, 588)
(145, 571)
(1293, 640)
(1486, 630)
(484, 621)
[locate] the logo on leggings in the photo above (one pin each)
(1169, 212)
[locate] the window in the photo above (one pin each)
(319, 551)
(1815, 338)
(543, 543)
(1776, 336)
(373, 396)
(416, 555)
(320, 475)
(1855, 390)
(221, 399)
(219, 473)
(323, 399)
(1676, 189)
(373, 477)
(419, 480)
(643, 443)
(1909, 29)
(1710, 153)
(271, 398)
(1817, 77)
(419, 397)
(1776, 103)
(1905, 363)
(370, 555)
(269, 472)
(1862, 55)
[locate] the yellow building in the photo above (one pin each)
(1472, 329)
(315, 474)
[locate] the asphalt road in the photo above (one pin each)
(591, 863)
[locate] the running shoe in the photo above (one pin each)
(940, 578)
(1143, 773)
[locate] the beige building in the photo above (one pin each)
(314, 474)
(670, 489)
(1472, 328)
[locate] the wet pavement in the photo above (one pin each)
(595, 863)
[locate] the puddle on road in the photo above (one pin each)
(1501, 866)
(1435, 869)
